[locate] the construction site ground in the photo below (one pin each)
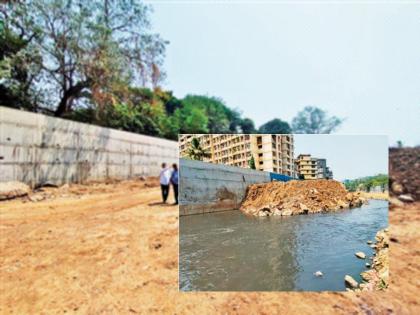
(112, 249)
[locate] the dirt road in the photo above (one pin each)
(113, 250)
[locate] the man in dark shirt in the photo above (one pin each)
(174, 181)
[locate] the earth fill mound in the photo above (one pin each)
(298, 197)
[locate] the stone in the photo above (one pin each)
(318, 274)
(287, 212)
(303, 207)
(397, 188)
(396, 202)
(277, 212)
(369, 242)
(406, 198)
(367, 265)
(349, 281)
(360, 255)
(366, 276)
(10, 190)
(36, 197)
(372, 246)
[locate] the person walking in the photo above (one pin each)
(174, 181)
(165, 177)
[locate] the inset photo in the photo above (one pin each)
(283, 212)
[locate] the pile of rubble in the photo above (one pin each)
(298, 197)
(404, 167)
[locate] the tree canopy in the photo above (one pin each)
(275, 125)
(315, 120)
(91, 51)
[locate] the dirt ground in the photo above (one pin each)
(112, 249)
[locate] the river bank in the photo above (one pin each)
(377, 278)
(375, 195)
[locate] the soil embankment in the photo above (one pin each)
(298, 197)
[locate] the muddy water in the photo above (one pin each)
(229, 251)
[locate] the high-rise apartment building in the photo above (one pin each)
(308, 167)
(272, 153)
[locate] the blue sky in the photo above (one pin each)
(348, 157)
(270, 59)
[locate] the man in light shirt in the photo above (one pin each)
(165, 179)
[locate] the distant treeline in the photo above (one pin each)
(367, 183)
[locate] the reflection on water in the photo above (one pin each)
(229, 251)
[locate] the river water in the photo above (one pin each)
(228, 251)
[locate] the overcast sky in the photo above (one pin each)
(270, 59)
(348, 157)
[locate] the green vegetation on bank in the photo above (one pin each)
(99, 62)
(367, 183)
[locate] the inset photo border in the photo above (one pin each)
(282, 212)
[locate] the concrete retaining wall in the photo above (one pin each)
(206, 187)
(36, 149)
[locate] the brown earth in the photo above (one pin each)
(298, 197)
(116, 252)
(404, 170)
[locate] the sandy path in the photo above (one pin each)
(117, 253)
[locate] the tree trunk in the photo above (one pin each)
(69, 96)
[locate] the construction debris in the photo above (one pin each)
(10, 190)
(298, 197)
(350, 282)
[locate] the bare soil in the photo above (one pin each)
(113, 250)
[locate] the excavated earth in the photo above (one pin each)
(298, 197)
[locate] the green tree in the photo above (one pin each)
(196, 152)
(315, 120)
(191, 119)
(367, 183)
(247, 126)
(213, 108)
(19, 66)
(275, 126)
(251, 163)
(90, 49)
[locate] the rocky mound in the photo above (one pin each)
(404, 167)
(298, 197)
